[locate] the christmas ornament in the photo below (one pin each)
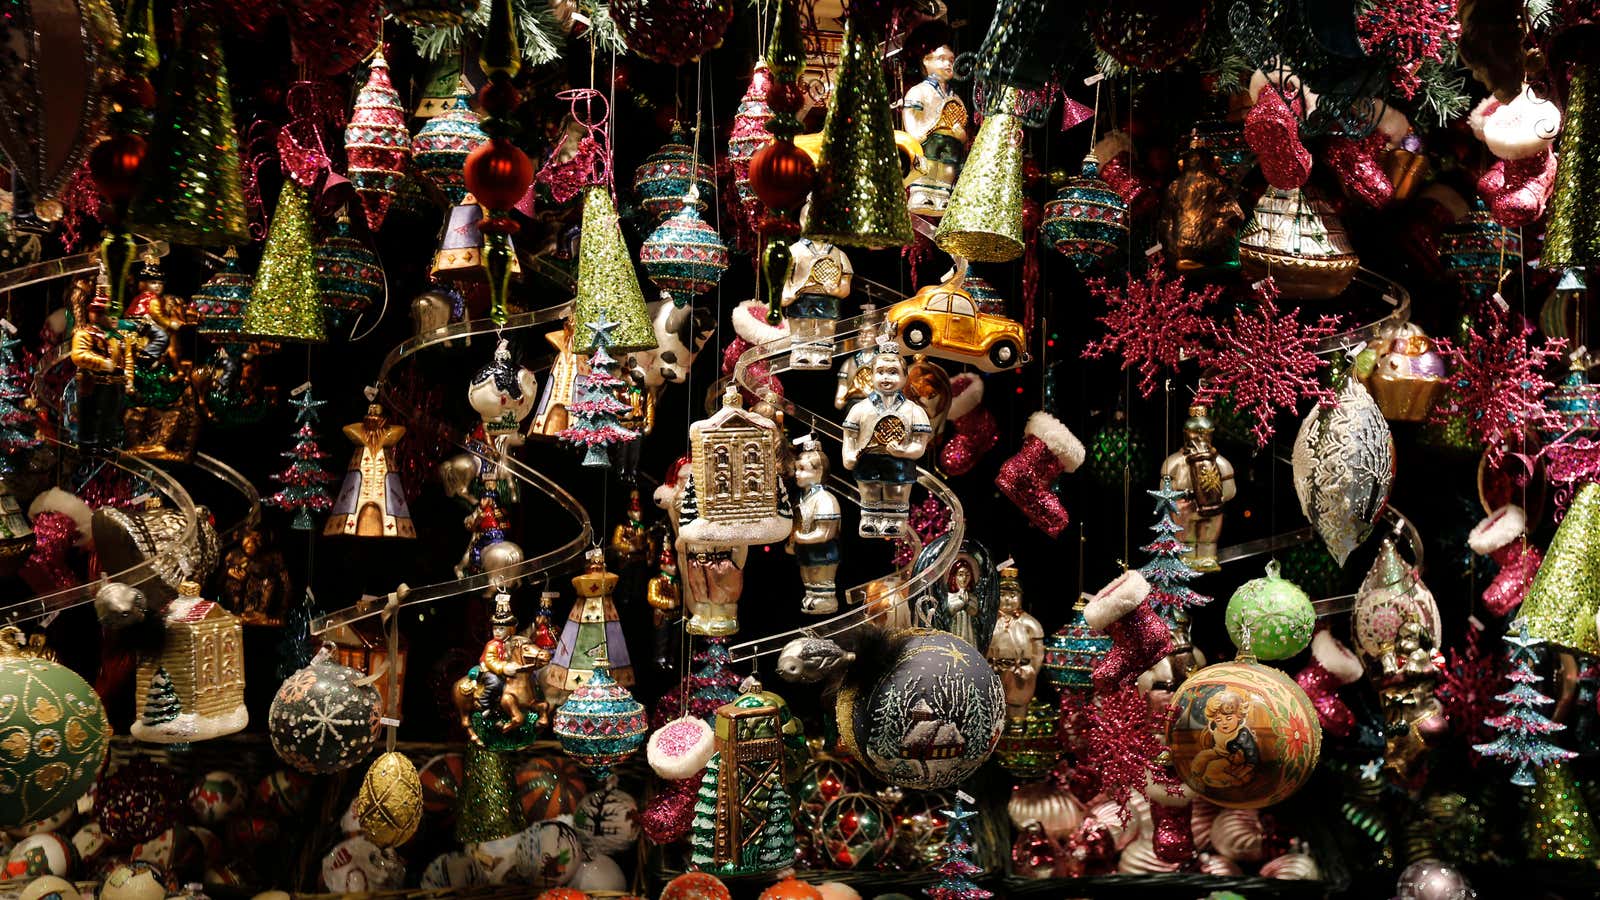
(1503, 536)
(189, 188)
(456, 869)
(943, 320)
(139, 801)
(439, 151)
(1270, 617)
(1029, 747)
(216, 796)
(983, 222)
(357, 864)
(1272, 129)
(1558, 824)
(607, 819)
(497, 700)
(41, 857)
(684, 257)
(1200, 213)
(1332, 666)
(976, 432)
(135, 880)
(1172, 838)
(1520, 134)
(601, 724)
(1016, 647)
(956, 866)
(748, 135)
(1562, 601)
(1152, 324)
(815, 539)
(1522, 727)
(934, 114)
(592, 624)
(372, 501)
(487, 807)
(286, 300)
(1072, 653)
(1343, 468)
(854, 831)
(55, 731)
(819, 277)
(1390, 595)
(595, 422)
(744, 507)
(1028, 478)
(550, 853)
(1147, 35)
(743, 815)
(884, 436)
(823, 780)
(910, 725)
(1300, 242)
(859, 200)
(695, 886)
(348, 272)
(376, 143)
(1430, 879)
(1053, 808)
(549, 788)
(1496, 382)
(1206, 478)
(674, 32)
(429, 13)
(303, 482)
(220, 302)
(193, 689)
(1478, 251)
(1571, 240)
(1408, 374)
(1138, 636)
(389, 803)
(322, 721)
(1242, 735)
(1086, 221)
(607, 286)
(672, 178)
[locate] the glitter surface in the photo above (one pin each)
(607, 285)
(377, 144)
(984, 220)
(1572, 236)
(1559, 826)
(440, 149)
(286, 304)
(1565, 595)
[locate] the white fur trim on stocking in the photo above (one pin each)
(680, 748)
(1475, 119)
(1116, 600)
(966, 391)
(1062, 443)
(1498, 529)
(750, 322)
(1335, 657)
(1525, 127)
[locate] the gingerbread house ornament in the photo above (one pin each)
(194, 688)
(740, 499)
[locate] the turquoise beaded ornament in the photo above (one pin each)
(348, 273)
(685, 257)
(666, 176)
(220, 301)
(601, 724)
(1071, 654)
(1087, 220)
(440, 149)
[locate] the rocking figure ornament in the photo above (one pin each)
(885, 434)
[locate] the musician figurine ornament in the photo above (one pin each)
(885, 433)
(1207, 476)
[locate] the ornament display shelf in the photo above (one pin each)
(567, 555)
(168, 556)
(880, 597)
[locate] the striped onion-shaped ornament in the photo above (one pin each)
(220, 301)
(348, 273)
(377, 144)
(601, 724)
(685, 257)
(666, 176)
(440, 149)
(1071, 654)
(1087, 220)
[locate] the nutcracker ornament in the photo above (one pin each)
(372, 502)
(100, 356)
(1016, 649)
(1207, 478)
(885, 434)
(815, 541)
(819, 277)
(933, 113)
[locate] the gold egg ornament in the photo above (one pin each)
(389, 804)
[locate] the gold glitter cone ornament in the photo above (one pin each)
(984, 220)
(608, 288)
(1565, 595)
(1572, 236)
(389, 804)
(1559, 825)
(487, 807)
(190, 189)
(859, 199)
(286, 303)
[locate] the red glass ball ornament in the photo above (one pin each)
(498, 97)
(132, 93)
(498, 173)
(781, 175)
(115, 163)
(139, 801)
(785, 96)
(672, 31)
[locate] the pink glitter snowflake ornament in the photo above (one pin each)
(1154, 324)
(1497, 383)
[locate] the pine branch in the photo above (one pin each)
(1443, 91)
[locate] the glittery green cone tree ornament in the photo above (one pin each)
(859, 199)
(487, 809)
(984, 220)
(607, 284)
(1562, 601)
(1558, 824)
(286, 302)
(191, 190)
(1572, 236)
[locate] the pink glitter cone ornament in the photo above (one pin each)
(377, 144)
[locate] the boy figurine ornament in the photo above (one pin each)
(815, 542)
(819, 277)
(934, 114)
(885, 433)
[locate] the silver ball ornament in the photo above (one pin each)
(1430, 879)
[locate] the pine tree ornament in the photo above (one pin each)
(17, 428)
(305, 482)
(957, 867)
(596, 414)
(1522, 727)
(1166, 571)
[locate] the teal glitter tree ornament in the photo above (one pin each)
(1522, 727)
(596, 425)
(305, 482)
(957, 867)
(1166, 571)
(17, 431)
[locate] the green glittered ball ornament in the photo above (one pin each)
(53, 735)
(1270, 617)
(1310, 565)
(1117, 451)
(1028, 747)
(855, 831)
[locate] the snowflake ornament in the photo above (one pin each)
(1266, 360)
(1409, 32)
(1468, 682)
(1154, 324)
(1497, 381)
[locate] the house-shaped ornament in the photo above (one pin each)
(739, 495)
(194, 688)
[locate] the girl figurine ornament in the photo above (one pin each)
(885, 433)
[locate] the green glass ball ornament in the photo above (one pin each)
(1311, 566)
(1270, 617)
(53, 734)
(1117, 449)
(855, 831)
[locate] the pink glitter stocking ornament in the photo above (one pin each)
(1502, 536)
(1139, 638)
(1332, 666)
(1170, 804)
(1028, 478)
(975, 430)
(1355, 160)
(1272, 130)
(1517, 189)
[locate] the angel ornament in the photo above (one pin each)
(885, 433)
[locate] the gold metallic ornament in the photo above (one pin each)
(193, 689)
(1200, 214)
(1300, 242)
(1408, 374)
(984, 220)
(389, 803)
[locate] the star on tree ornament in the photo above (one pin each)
(602, 328)
(1154, 324)
(1522, 645)
(1266, 361)
(306, 407)
(1497, 383)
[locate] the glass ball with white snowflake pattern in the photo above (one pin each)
(324, 719)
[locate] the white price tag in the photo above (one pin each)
(966, 797)
(1258, 285)
(301, 389)
(1390, 299)
(1473, 621)
(371, 391)
(1154, 249)
(389, 722)
(1094, 79)
(1354, 350)
(1501, 302)
(6, 324)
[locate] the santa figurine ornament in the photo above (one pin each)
(885, 433)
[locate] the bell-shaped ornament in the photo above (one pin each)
(1574, 405)
(1301, 243)
(859, 199)
(1564, 597)
(1086, 221)
(608, 288)
(221, 300)
(666, 176)
(460, 253)
(350, 274)
(1572, 235)
(1477, 249)
(286, 302)
(190, 188)
(983, 222)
